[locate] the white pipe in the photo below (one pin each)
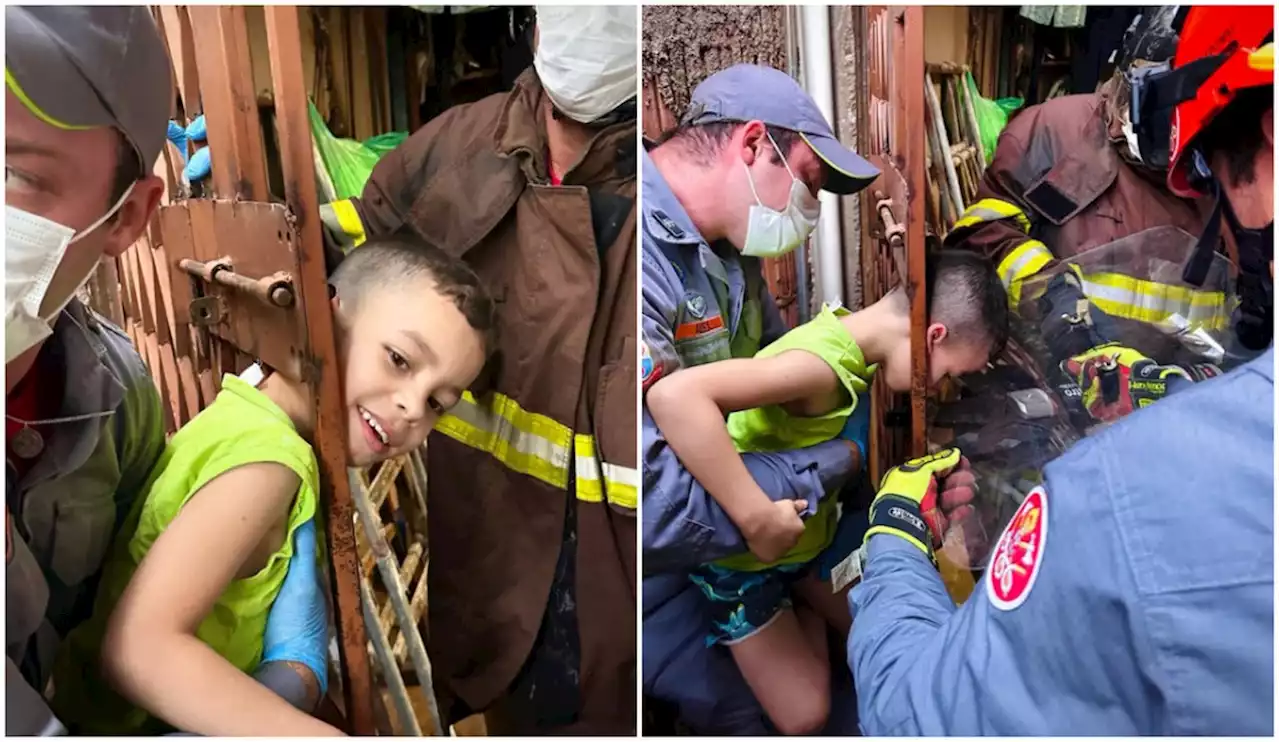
(815, 25)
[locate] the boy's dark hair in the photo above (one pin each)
(702, 142)
(385, 261)
(1236, 132)
(966, 294)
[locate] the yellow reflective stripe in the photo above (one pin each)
(540, 447)
(1022, 261)
(1147, 301)
(992, 210)
(621, 484)
(22, 96)
(349, 221)
(523, 441)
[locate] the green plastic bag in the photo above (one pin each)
(992, 115)
(349, 163)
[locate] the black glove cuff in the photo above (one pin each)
(902, 514)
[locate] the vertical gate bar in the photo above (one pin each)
(386, 661)
(399, 599)
(912, 76)
(284, 46)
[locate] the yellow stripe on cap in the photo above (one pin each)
(21, 94)
(831, 164)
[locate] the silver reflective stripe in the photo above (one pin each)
(1029, 252)
(518, 449)
(1148, 307)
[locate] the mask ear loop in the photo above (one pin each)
(105, 217)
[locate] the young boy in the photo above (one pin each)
(183, 604)
(798, 392)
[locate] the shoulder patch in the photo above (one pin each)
(650, 371)
(1017, 556)
(696, 305)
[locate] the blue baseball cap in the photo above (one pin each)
(751, 92)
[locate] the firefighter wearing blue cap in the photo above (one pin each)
(87, 99)
(736, 182)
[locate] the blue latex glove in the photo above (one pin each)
(178, 136)
(200, 166)
(196, 130)
(297, 627)
(858, 427)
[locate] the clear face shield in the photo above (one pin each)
(1026, 411)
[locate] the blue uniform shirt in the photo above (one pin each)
(700, 305)
(685, 283)
(1152, 608)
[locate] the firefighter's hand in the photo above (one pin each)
(297, 627)
(908, 503)
(1115, 380)
(774, 530)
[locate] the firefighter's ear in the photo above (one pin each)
(754, 135)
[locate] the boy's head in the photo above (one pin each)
(414, 328)
(968, 320)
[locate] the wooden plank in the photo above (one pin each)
(340, 67)
(379, 62)
(396, 71)
(361, 93)
(133, 266)
(331, 420)
(230, 103)
(176, 26)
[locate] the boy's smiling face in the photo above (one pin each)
(407, 354)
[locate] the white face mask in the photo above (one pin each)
(33, 250)
(772, 234)
(586, 58)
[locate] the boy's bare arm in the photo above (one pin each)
(151, 653)
(689, 408)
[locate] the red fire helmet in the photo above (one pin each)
(1232, 44)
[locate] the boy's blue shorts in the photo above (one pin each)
(742, 603)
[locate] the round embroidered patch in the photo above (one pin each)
(1016, 559)
(646, 361)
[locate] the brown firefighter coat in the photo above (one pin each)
(1058, 186)
(533, 480)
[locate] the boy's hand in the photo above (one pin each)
(297, 627)
(774, 530)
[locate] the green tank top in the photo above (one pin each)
(242, 426)
(772, 428)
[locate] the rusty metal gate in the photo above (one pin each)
(215, 283)
(893, 217)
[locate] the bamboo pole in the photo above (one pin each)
(396, 592)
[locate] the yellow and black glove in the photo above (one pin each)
(1115, 380)
(908, 504)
